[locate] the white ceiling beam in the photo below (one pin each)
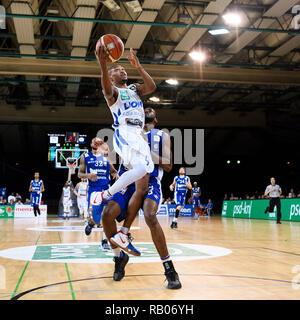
(193, 35)
(276, 11)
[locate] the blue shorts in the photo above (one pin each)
(96, 210)
(196, 201)
(122, 199)
(179, 198)
(154, 190)
(35, 199)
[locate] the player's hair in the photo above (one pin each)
(182, 168)
(113, 67)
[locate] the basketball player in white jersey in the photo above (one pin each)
(82, 202)
(67, 202)
(127, 110)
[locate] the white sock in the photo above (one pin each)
(104, 236)
(128, 177)
(124, 230)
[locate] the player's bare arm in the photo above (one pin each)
(75, 190)
(30, 187)
(82, 173)
(188, 184)
(165, 161)
(149, 85)
(42, 188)
(109, 91)
(172, 186)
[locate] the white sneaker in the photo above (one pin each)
(122, 241)
(97, 198)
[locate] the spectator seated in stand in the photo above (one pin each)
(27, 202)
(18, 197)
(298, 195)
(4, 202)
(11, 202)
(19, 202)
(11, 197)
(168, 201)
(1, 199)
(291, 194)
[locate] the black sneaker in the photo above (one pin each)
(120, 264)
(278, 222)
(175, 225)
(88, 229)
(173, 279)
(105, 245)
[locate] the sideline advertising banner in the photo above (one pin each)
(26, 211)
(6, 211)
(255, 209)
(169, 210)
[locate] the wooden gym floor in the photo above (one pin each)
(264, 262)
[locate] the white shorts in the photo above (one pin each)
(67, 203)
(132, 147)
(82, 202)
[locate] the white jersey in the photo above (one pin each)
(128, 105)
(82, 189)
(67, 192)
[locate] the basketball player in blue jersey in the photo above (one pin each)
(196, 192)
(127, 110)
(36, 188)
(95, 167)
(160, 146)
(181, 184)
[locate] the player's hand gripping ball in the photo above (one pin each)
(113, 46)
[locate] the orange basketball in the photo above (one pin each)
(114, 46)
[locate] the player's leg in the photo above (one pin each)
(110, 213)
(278, 205)
(150, 208)
(135, 203)
(178, 201)
(122, 239)
(135, 154)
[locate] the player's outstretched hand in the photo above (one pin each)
(133, 59)
(101, 54)
(171, 188)
(115, 175)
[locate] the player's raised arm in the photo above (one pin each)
(149, 85)
(109, 91)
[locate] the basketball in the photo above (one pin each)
(114, 46)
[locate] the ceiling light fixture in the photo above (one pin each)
(172, 82)
(198, 56)
(232, 18)
(217, 32)
(134, 6)
(154, 99)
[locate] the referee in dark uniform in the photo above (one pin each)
(274, 192)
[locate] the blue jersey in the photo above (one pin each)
(196, 191)
(181, 184)
(99, 165)
(155, 140)
(36, 186)
(35, 198)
